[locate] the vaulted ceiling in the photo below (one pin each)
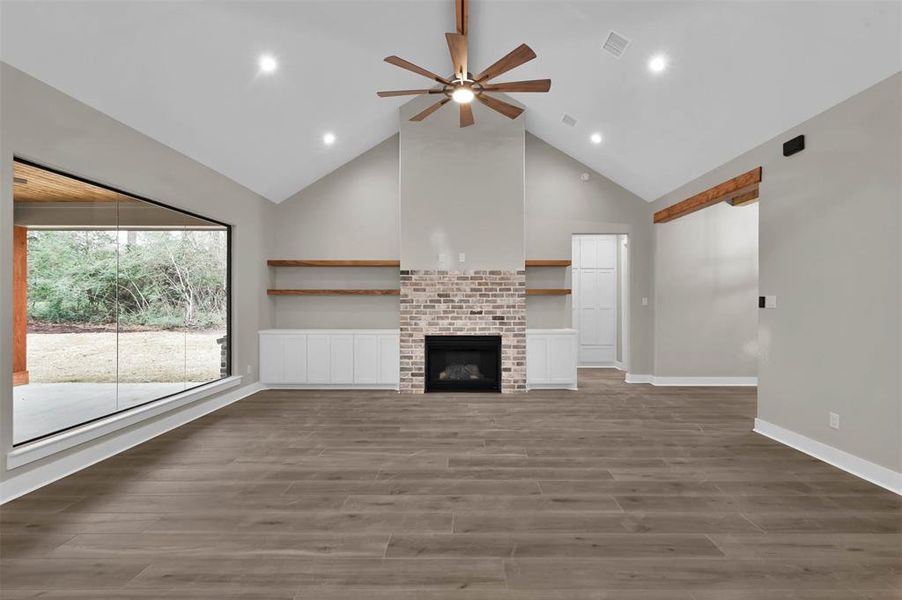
(185, 73)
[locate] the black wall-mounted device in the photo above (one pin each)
(760, 301)
(796, 144)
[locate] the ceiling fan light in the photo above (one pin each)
(463, 95)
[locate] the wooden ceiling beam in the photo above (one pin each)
(462, 11)
(745, 198)
(739, 186)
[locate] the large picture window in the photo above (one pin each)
(118, 301)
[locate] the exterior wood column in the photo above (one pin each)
(20, 305)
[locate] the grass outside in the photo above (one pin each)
(143, 356)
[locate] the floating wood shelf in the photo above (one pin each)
(334, 263)
(337, 292)
(548, 291)
(548, 263)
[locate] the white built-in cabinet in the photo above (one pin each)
(330, 358)
(370, 358)
(551, 356)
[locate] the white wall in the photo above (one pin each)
(706, 292)
(42, 124)
(363, 195)
(461, 189)
(829, 234)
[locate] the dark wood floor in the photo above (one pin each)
(617, 491)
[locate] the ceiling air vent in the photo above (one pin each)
(616, 44)
(568, 120)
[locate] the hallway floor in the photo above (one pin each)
(615, 492)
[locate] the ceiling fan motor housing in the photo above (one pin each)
(453, 88)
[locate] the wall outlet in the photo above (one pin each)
(834, 420)
(442, 258)
(770, 302)
(644, 301)
(462, 257)
(250, 369)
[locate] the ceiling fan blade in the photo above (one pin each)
(400, 62)
(406, 93)
(457, 45)
(422, 115)
(508, 110)
(462, 10)
(466, 115)
(516, 57)
(534, 85)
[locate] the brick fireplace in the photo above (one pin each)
(491, 302)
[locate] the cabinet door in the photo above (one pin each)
(342, 359)
(536, 359)
(561, 360)
(295, 358)
(389, 359)
(366, 359)
(271, 352)
(318, 359)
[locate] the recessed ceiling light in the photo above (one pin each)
(595, 138)
(329, 138)
(267, 63)
(657, 63)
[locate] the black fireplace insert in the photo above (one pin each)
(463, 363)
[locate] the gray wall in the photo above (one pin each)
(350, 213)
(42, 124)
(829, 231)
(362, 196)
(706, 291)
(559, 204)
(442, 211)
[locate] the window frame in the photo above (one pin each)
(187, 392)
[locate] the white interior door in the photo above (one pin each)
(595, 298)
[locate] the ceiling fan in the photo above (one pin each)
(463, 87)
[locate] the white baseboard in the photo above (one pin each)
(551, 386)
(859, 467)
(332, 386)
(638, 378)
(691, 381)
(27, 479)
(619, 365)
(704, 381)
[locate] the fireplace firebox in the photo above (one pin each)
(463, 363)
